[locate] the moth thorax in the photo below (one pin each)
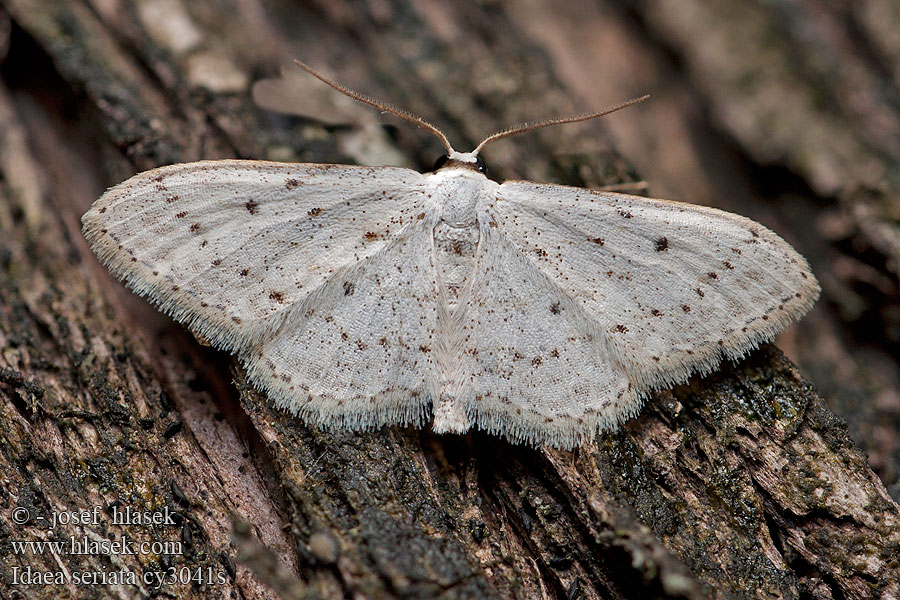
(458, 208)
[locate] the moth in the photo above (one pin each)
(358, 297)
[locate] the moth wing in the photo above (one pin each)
(672, 287)
(358, 352)
(532, 365)
(229, 247)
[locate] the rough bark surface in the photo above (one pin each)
(743, 484)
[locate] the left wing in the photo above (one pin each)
(228, 247)
(359, 351)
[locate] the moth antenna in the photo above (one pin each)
(382, 106)
(531, 126)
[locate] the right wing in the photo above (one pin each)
(533, 366)
(672, 287)
(583, 301)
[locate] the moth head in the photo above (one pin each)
(468, 160)
(452, 155)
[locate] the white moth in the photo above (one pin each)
(359, 297)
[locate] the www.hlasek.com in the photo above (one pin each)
(91, 543)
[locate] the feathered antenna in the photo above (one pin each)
(419, 121)
(531, 126)
(382, 106)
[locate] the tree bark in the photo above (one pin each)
(741, 484)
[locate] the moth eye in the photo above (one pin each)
(482, 166)
(440, 162)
